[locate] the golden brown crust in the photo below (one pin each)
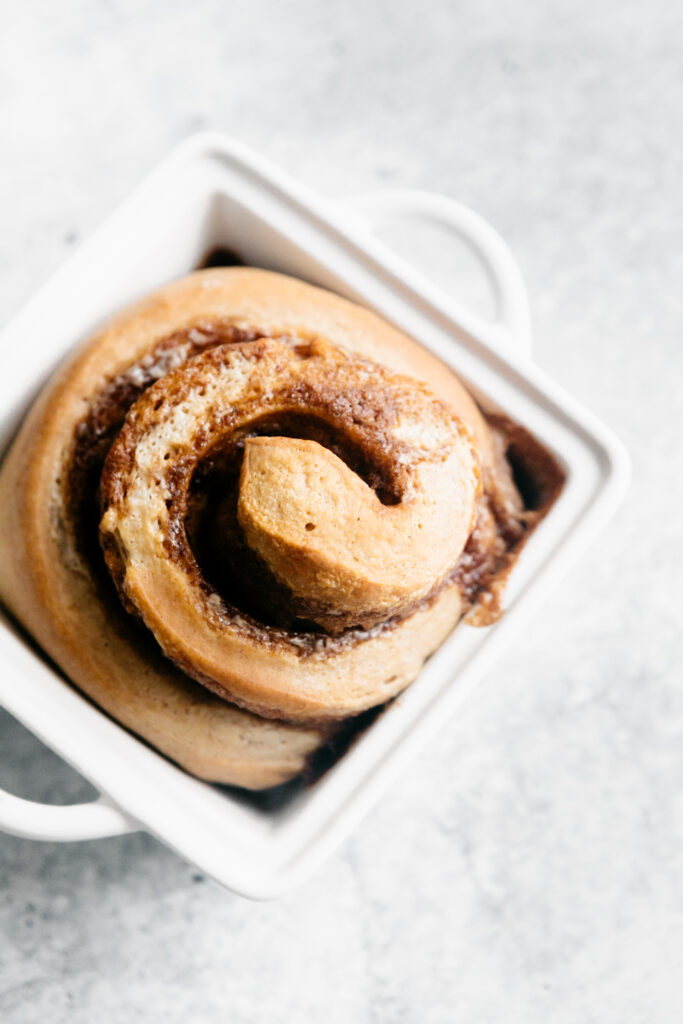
(46, 582)
(318, 527)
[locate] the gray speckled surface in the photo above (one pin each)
(529, 866)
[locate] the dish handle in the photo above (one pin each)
(29, 819)
(513, 320)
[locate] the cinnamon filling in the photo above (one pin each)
(251, 598)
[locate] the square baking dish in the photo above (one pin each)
(212, 192)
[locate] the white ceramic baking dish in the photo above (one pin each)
(211, 192)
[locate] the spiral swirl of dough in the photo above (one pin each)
(297, 552)
(365, 574)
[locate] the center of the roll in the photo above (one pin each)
(322, 531)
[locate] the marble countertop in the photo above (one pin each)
(529, 866)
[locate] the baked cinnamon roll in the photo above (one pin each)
(248, 509)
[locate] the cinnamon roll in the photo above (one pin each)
(248, 509)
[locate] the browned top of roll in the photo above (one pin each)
(316, 660)
(351, 561)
